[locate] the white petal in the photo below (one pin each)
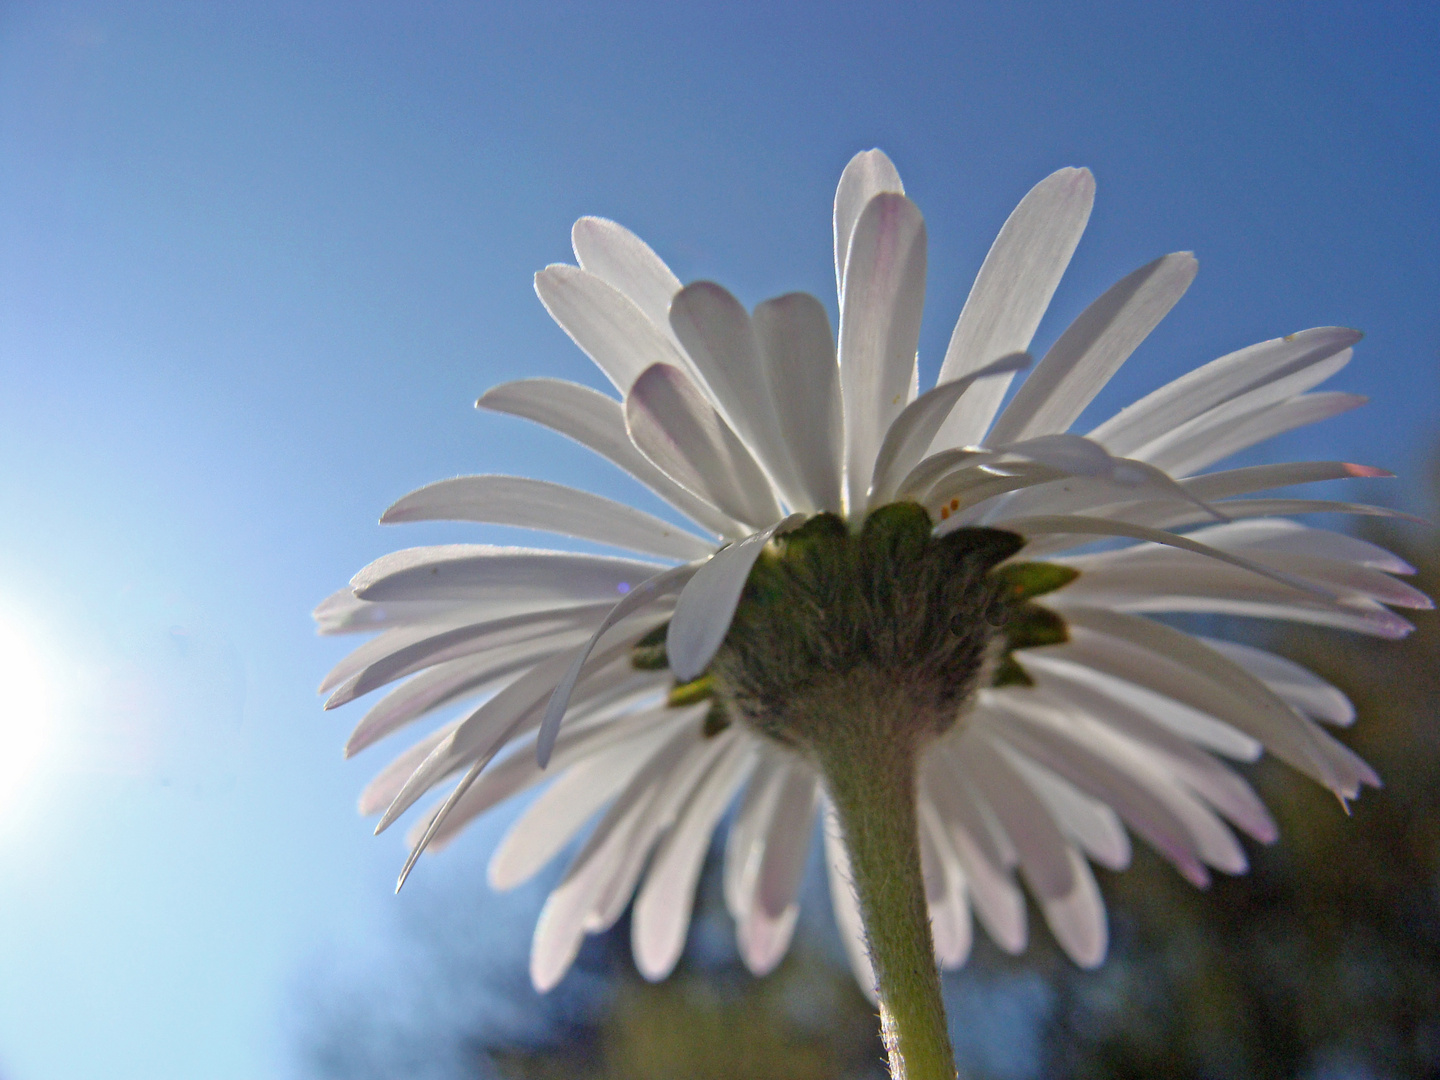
(769, 921)
(549, 823)
(386, 784)
(707, 603)
(745, 842)
(1081, 708)
(936, 467)
(879, 329)
(673, 424)
(720, 339)
(518, 640)
(1024, 818)
(1080, 525)
(1090, 823)
(1238, 508)
(1171, 515)
(932, 869)
(643, 595)
(1217, 382)
(1297, 686)
(1178, 664)
(598, 423)
(1232, 482)
(1282, 535)
(484, 572)
(1078, 919)
(563, 920)
(483, 733)
(390, 641)
(1203, 448)
(911, 432)
(1190, 724)
(949, 911)
(625, 262)
(1216, 843)
(967, 488)
(1183, 439)
(427, 691)
(1102, 497)
(1138, 805)
(557, 508)
(1234, 599)
(343, 612)
(605, 323)
(1093, 348)
(869, 173)
(1312, 555)
(519, 771)
(798, 350)
(847, 907)
(1189, 583)
(1213, 842)
(999, 904)
(673, 792)
(663, 905)
(1011, 293)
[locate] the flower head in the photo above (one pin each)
(930, 554)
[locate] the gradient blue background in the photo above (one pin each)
(257, 261)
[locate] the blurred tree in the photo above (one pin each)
(807, 1022)
(458, 1005)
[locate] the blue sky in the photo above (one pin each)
(257, 261)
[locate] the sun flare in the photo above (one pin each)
(26, 708)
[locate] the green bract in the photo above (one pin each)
(930, 618)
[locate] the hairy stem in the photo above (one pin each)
(873, 789)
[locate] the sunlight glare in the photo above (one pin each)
(26, 706)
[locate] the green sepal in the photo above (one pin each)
(1010, 673)
(897, 530)
(716, 721)
(823, 528)
(648, 654)
(1026, 580)
(978, 543)
(692, 692)
(1031, 626)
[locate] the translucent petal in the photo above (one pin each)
(1092, 349)
(598, 423)
(868, 173)
(605, 323)
(674, 425)
(557, 508)
(625, 262)
(798, 350)
(879, 329)
(1219, 381)
(1011, 293)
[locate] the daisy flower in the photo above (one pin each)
(918, 618)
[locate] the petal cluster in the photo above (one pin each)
(746, 422)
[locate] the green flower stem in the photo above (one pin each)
(873, 789)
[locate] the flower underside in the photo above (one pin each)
(888, 613)
(971, 727)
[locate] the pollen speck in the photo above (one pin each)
(944, 512)
(954, 504)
